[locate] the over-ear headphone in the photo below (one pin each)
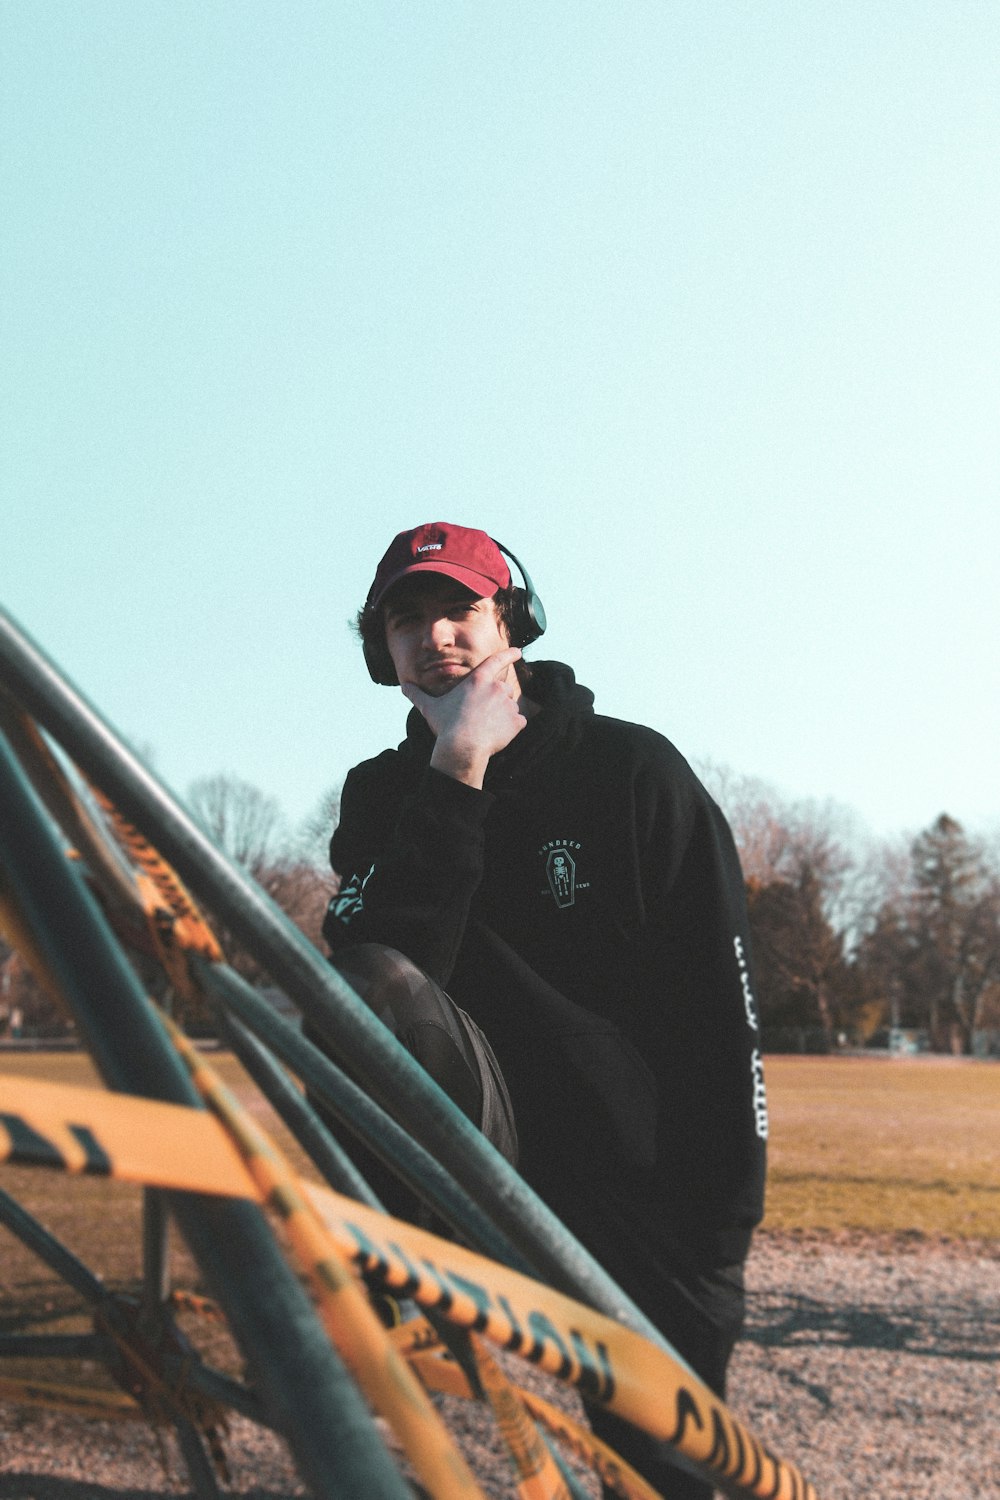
(527, 610)
(527, 624)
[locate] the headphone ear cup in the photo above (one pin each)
(523, 628)
(527, 611)
(379, 664)
(528, 617)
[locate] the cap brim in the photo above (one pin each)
(476, 583)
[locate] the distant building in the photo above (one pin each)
(986, 1042)
(906, 1041)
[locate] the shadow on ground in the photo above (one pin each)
(943, 1331)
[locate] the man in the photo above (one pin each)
(564, 879)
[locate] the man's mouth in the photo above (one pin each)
(442, 673)
(445, 664)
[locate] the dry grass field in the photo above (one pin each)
(904, 1148)
(885, 1146)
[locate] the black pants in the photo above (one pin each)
(698, 1309)
(443, 1039)
(701, 1314)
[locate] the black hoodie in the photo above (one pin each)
(587, 909)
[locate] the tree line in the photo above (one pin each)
(853, 939)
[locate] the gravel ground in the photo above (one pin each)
(874, 1366)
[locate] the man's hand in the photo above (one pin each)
(475, 718)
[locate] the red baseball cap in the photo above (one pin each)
(472, 558)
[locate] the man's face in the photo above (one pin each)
(437, 631)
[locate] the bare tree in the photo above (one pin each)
(249, 827)
(813, 887)
(303, 893)
(757, 816)
(317, 828)
(246, 824)
(779, 838)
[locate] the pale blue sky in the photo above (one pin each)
(694, 305)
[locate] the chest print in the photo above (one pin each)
(561, 861)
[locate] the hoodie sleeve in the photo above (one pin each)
(700, 1016)
(409, 866)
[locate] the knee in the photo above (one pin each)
(371, 967)
(392, 987)
(374, 972)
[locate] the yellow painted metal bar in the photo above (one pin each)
(166, 887)
(539, 1477)
(440, 1372)
(383, 1375)
(117, 1135)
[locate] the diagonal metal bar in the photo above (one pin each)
(51, 1250)
(326, 1154)
(155, 1252)
(64, 802)
(198, 1465)
(309, 1396)
(217, 1387)
(51, 1346)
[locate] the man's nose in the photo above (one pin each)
(439, 631)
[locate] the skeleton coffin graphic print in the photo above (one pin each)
(560, 871)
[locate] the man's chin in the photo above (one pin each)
(437, 684)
